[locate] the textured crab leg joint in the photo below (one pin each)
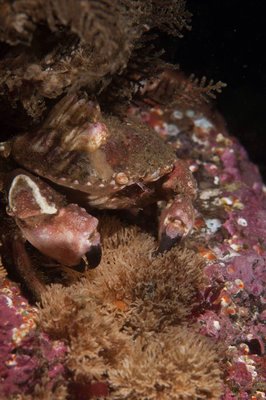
(181, 180)
(177, 218)
(176, 221)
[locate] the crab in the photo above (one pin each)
(101, 161)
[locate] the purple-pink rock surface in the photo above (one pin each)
(230, 232)
(25, 352)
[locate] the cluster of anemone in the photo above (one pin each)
(126, 323)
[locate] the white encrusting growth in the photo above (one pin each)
(216, 325)
(190, 113)
(39, 198)
(203, 123)
(171, 129)
(178, 114)
(242, 221)
(213, 224)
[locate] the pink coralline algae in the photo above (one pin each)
(230, 233)
(250, 270)
(24, 351)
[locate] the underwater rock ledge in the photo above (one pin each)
(200, 306)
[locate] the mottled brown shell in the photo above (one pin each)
(80, 148)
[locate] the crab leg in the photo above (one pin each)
(176, 221)
(24, 267)
(177, 217)
(64, 232)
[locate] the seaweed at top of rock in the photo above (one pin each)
(171, 88)
(56, 46)
(101, 22)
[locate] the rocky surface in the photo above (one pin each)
(229, 232)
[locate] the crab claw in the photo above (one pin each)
(64, 232)
(176, 221)
(94, 255)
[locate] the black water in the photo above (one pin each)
(228, 43)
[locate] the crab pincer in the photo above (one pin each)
(64, 232)
(177, 217)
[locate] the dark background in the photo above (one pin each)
(228, 43)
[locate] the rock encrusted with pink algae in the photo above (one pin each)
(230, 232)
(27, 355)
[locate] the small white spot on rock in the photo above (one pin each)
(203, 123)
(190, 113)
(213, 224)
(217, 325)
(177, 114)
(208, 193)
(172, 130)
(227, 200)
(242, 221)
(216, 180)
(220, 137)
(235, 246)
